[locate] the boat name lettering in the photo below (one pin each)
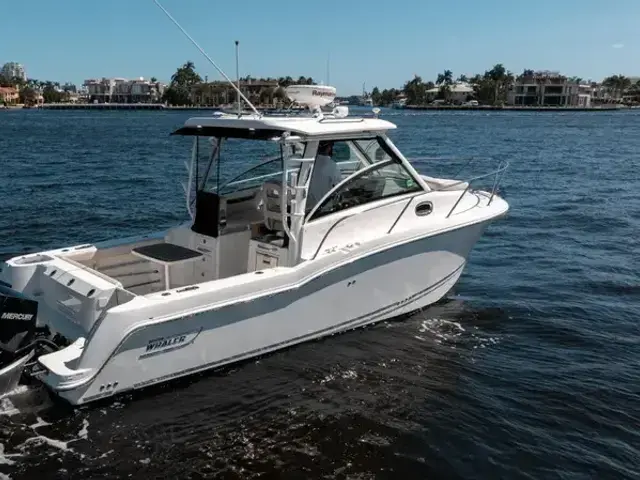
(344, 248)
(166, 344)
(16, 316)
(155, 345)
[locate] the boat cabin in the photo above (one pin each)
(266, 192)
(300, 171)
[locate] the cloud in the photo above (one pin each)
(617, 45)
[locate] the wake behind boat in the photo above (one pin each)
(297, 247)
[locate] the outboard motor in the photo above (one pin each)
(18, 316)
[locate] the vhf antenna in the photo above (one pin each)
(238, 91)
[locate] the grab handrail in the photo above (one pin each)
(502, 167)
(234, 182)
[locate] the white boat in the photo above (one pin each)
(261, 265)
(399, 103)
(365, 99)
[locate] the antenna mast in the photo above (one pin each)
(208, 58)
(238, 78)
(329, 68)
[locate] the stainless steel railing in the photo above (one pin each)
(497, 173)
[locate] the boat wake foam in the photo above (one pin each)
(451, 333)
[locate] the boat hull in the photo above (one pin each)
(376, 287)
(11, 375)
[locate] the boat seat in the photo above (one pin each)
(271, 207)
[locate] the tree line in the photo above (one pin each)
(489, 88)
(183, 81)
(30, 89)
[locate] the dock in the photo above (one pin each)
(151, 106)
(162, 106)
(102, 106)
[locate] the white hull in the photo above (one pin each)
(425, 269)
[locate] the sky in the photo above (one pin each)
(373, 42)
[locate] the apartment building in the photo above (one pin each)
(122, 90)
(549, 89)
(13, 70)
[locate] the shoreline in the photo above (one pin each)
(517, 108)
(161, 106)
(134, 106)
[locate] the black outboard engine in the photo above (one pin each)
(18, 316)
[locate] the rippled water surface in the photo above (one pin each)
(531, 368)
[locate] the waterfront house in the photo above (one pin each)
(546, 88)
(9, 96)
(459, 92)
(122, 90)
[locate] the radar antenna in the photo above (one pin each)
(239, 92)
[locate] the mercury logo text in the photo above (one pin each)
(16, 316)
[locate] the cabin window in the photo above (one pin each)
(354, 155)
(372, 150)
(254, 177)
(387, 179)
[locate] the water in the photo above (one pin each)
(530, 370)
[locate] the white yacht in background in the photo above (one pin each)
(268, 260)
(399, 103)
(365, 99)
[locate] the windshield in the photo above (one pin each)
(244, 164)
(247, 164)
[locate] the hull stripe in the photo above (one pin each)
(349, 324)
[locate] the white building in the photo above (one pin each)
(122, 90)
(459, 92)
(550, 89)
(13, 70)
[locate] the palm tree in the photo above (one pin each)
(445, 78)
(182, 82)
(500, 77)
(618, 84)
(186, 74)
(415, 90)
(285, 81)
